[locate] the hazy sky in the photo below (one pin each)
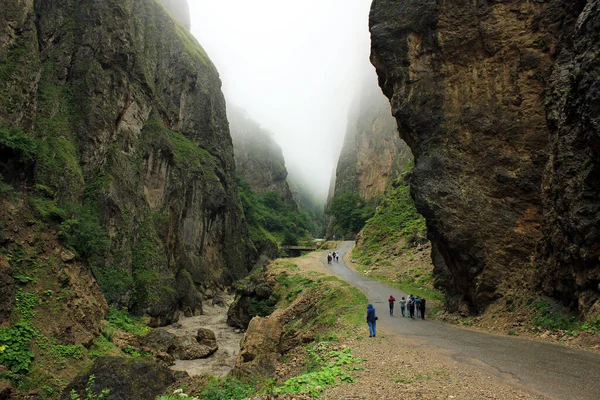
(294, 66)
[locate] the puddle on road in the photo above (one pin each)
(228, 340)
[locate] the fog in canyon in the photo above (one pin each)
(295, 67)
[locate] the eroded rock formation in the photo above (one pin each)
(499, 103)
(373, 155)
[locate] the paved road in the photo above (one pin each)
(553, 370)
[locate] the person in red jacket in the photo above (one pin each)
(391, 300)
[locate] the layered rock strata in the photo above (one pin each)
(499, 104)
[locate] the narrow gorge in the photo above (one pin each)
(152, 206)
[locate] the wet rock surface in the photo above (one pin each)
(142, 130)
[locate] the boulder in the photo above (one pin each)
(203, 345)
(125, 378)
(260, 350)
(189, 349)
(206, 337)
(161, 341)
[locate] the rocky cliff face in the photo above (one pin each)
(113, 107)
(498, 102)
(373, 155)
(258, 158)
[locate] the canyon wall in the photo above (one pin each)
(112, 114)
(373, 155)
(258, 158)
(499, 104)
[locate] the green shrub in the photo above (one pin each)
(271, 220)
(25, 304)
(547, 316)
(396, 217)
(228, 388)
(101, 347)
(90, 394)
(15, 352)
(82, 232)
(350, 212)
(69, 351)
(120, 319)
(18, 142)
(328, 370)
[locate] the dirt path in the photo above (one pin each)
(228, 339)
(442, 361)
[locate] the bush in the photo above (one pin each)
(547, 316)
(120, 319)
(396, 217)
(350, 212)
(15, 351)
(270, 219)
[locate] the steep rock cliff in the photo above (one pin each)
(114, 107)
(258, 158)
(486, 95)
(373, 155)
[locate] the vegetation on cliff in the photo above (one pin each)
(273, 222)
(393, 247)
(116, 182)
(349, 212)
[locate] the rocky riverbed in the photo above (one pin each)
(228, 340)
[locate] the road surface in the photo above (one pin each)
(550, 369)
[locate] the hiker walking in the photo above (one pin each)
(391, 300)
(402, 306)
(418, 306)
(411, 306)
(371, 320)
(329, 258)
(423, 304)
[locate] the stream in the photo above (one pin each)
(228, 340)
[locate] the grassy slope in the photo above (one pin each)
(393, 249)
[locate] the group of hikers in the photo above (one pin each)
(335, 256)
(415, 305)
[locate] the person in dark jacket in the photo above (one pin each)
(371, 320)
(392, 300)
(423, 304)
